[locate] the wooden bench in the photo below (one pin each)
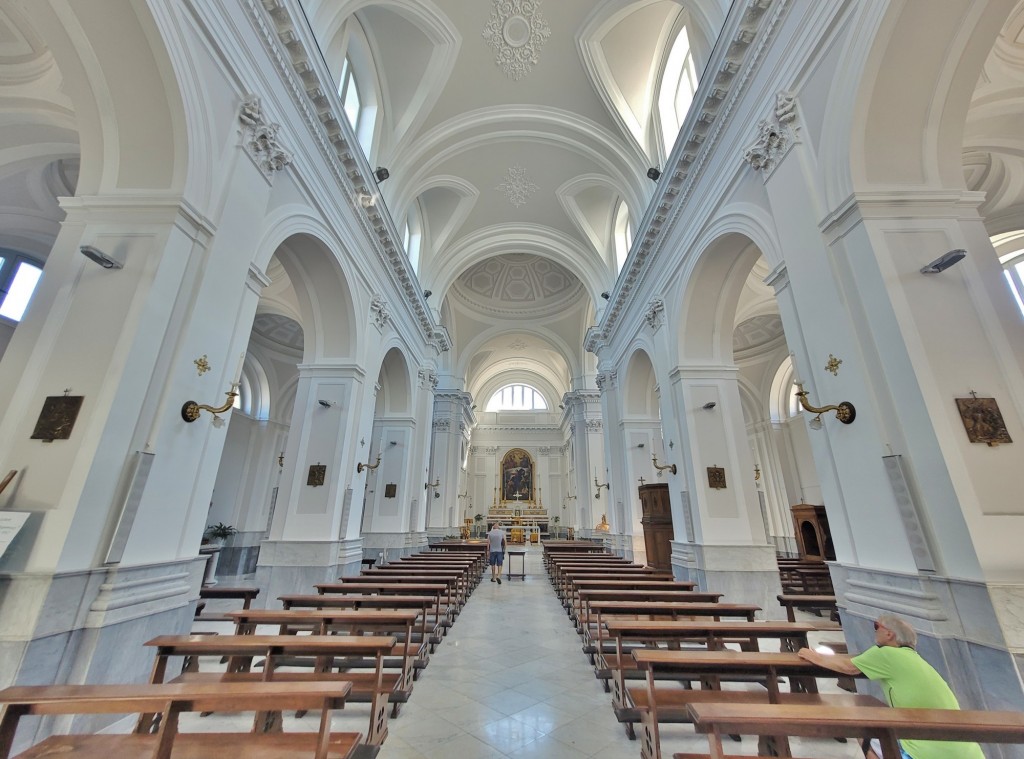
(432, 614)
(629, 703)
(791, 602)
(169, 700)
(882, 722)
(372, 686)
(711, 667)
(245, 595)
(407, 653)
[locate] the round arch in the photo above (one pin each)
(639, 386)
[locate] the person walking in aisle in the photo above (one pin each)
(496, 550)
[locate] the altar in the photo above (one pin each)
(519, 534)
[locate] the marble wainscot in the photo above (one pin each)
(296, 566)
(744, 574)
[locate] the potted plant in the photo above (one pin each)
(218, 533)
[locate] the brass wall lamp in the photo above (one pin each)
(433, 486)
(662, 467)
(598, 485)
(845, 412)
(190, 409)
(361, 466)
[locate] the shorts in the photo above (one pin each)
(876, 746)
(497, 558)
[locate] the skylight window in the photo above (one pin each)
(18, 279)
(678, 84)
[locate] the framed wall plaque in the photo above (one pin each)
(983, 421)
(317, 474)
(58, 417)
(390, 490)
(716, 477)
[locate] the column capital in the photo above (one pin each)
(776, 135)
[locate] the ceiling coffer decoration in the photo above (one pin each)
(517, 31)
(516, 186)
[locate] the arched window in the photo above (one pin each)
(517, 398)
(19, 276)
(1010, 247)
(678, 83)
(412, 236)
(348, 90)
(623, 235)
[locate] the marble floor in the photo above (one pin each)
(510, 680)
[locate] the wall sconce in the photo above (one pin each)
(280, 460)
(845, 412)
(98, 256)
(190, 409)
(757, 472)
(361, 466)
(380, 173)
(433, 485)
(598, 485)
(661, 467)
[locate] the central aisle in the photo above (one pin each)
(509, 680)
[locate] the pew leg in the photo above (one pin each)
(395, 708)
(630, 731)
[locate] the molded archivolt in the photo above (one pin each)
(129, 110)
(710, 299)
(489, 360)
(444, 202)
(395, 395)
(324, 298)
(624, 51)
(639, 399)
(441, 273)
(591, 201)
(929, 84)
(414, 47)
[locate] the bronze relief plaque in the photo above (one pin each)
(716, 477)
(57, 418)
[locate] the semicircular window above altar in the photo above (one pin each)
(517, 398)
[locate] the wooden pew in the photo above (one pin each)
(882, 722)
(373, 687)
(431, 613)
(710, 667)
(791, 602)
(437, 591)
(581, 612)
(219, 592)
(458, 578)
(631, 703)
(406, 654)
(170, 700)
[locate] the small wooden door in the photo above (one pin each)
(657, 522)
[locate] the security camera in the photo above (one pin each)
(944, 261)
(709, 405)
(325, 404)
(606, 295)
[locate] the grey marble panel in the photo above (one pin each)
(275, 581)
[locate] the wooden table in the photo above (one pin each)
(169, 700)
(711, 666)
(373, 687)
(880, 722)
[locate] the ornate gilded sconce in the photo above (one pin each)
(190, 409)
(598, 485)
(757, 472)
(662, 467)
(845, 411)
(361, 466)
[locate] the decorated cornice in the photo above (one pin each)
(427, 377)
(775, 135)
(259, 138)
(455, 397)
(517, 31)
(746, 36)
(517, 428)
(581, 396)
(289, 45)
(442, 425)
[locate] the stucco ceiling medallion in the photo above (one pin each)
(517, 31)
(516, 186)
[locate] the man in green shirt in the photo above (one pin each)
(907, 680)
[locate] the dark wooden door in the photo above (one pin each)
(657, 522)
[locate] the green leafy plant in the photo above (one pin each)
(478, 517)
(219, 531)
